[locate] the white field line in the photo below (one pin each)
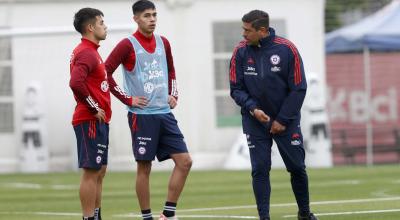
(218, 216)
(237, 207)
(349, 213)
(194, 216)
(39, 186)
(42, 213)
(294, 204)
(22, 185)
(320, 184)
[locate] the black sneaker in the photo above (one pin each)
(310, 216)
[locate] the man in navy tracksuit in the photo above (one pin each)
(267, 81)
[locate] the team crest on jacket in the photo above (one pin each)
(104, 86)
(275, 59)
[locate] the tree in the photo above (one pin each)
(335, 8)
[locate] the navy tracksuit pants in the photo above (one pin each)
(291, 149)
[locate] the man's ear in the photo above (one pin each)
(263, 30)
(135, 18)
(90, 27)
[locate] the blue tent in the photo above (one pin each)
(377, 32)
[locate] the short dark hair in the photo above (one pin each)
(141, 6)
(85, 16)
(257, 18)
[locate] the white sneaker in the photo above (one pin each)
(163, 217)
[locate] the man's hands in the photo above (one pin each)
(276, 127)
(100, 115)
(172, 102)
(139, 102)
(261, 116)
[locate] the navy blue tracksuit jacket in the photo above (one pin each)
(269, 77)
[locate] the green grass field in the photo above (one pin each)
(347, 193)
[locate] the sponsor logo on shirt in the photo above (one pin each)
(250, 68)
(275, 69)
(148, 87)
(155, 74)
(250, 71)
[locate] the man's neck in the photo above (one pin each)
(265, 35)
(147, 35)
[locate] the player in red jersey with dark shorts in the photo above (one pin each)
(149, 77)
(93, 110)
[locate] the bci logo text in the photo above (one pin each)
(352, 106)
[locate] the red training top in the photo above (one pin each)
(89, 83)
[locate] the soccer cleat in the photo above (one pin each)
(163, 217)
(310, 216)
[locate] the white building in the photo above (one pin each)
(37, 37)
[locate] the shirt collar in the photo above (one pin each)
(90, 43)
(141, 37)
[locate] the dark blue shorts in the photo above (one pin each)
(155, 135)
(92, 143)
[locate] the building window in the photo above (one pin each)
(6, 117)
(5, 81)
(226, 35)
(6, 87)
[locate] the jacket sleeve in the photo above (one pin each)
(238, 89)
(120, 53)
(297, 89)
(84, 63)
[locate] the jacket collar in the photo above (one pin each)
(268, 40)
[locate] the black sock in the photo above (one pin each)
(169, 209)
(97, 213)
(146, 214)
(304, 213)
(88, 218)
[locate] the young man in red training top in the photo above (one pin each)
(93, 111)
(149, 77)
